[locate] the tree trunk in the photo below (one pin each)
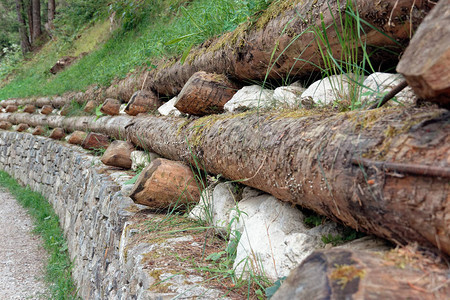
(36, 15)
(51, 13)
(384, 171)
(24, 39)
(281, 43)
(358, 275)
(30, 19)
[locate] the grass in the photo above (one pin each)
(170, 29)
(46, 222)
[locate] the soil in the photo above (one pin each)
(22, 255)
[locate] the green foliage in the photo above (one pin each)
(349, 234)
(59, 266)
(270, 291)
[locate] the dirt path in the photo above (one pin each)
(22, 257)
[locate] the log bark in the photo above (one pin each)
(77, 137)
(11, 108)
(39, 130)
(22, 127)
(205, 94)
(166, 184)
(347, 274)
(248, 52)
(47, 109)
(5, 125)
(111, 107)
(57, 134)
(118, 154)
(95, 141)
(426, 62)
(29, 108)
(142, 102)
(312, 160)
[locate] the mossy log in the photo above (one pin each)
(384, 171)
(281, 43)
(347, 274)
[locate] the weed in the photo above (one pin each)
(349, 234)
(46, 222)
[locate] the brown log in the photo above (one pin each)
(57, 134)
(29, 108)
(47, 109)
(22, 127)
(205, 93)
(347, 274)
(39, 130)
(11, 108)
(165, 183)
(90, 106)
(77, 137)
(142, 102)
(118, 154)
(248, 52)
(94, 141)
(5, 125)
(426, 62)
(111, 107)
(309, 159)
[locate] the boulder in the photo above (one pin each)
(166, 184)
(118, 154)
(11, 108)
(205, 93)
(111, 107)
(141, 159)
(273, 237)
(94, 141)
(29, 108)
(22, 127)
(5, 125)
(142, 102)
(77, 137)
(168, 108)
(250, 97)
(39, 130)
(57, 134)
(288, 96)
(46, 109)
(336, 88)
(378, 84)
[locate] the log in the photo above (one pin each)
(118, 154)
(47, 109)
(77, 137)
(247, 53)
(142, 102)
(111, 107)
(95, 141)
(29, 108)
(5, 125)
(39, 130)
(90, 106)
(22, 127)
(205, 94)
(347, 274)
(11, 108)
(166, 184)
(57, 134)
(426, 61)
(312, 160)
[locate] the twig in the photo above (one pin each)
(404, 168)
(397, 89)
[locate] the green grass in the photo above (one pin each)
(168, 29)
(46, 222)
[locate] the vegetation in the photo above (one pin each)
(160, 28)
(46, 223)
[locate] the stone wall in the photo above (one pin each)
(90, 205)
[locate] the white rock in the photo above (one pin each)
(378, 84)
(250, 97)
(215, 207)
(329, 89)
(122, 109)
(288, 95)
(168, 108)
(274, 239)
(141, 159)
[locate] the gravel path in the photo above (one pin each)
(22, 257)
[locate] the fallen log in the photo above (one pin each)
(312, 160)
(283, 44)
(118, 154)
(426, 62)
(347, 274)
